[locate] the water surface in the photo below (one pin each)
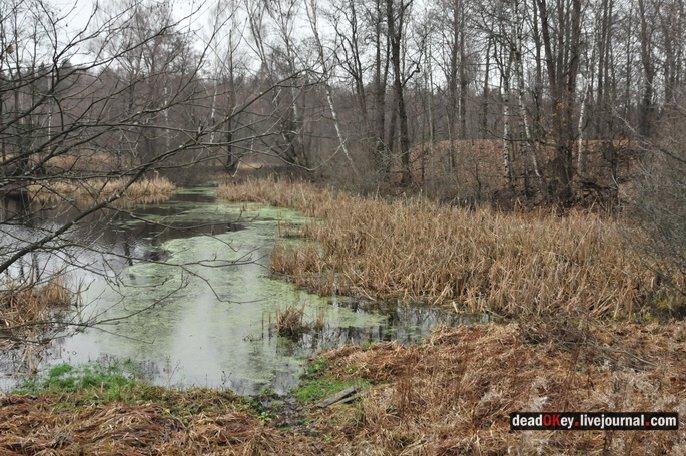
(183, 290)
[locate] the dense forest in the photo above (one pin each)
(473, 100)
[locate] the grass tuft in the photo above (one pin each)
(290, 322)
(26, 307)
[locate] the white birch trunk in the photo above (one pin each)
(312, 15)
(519, 68)
(166, 118)
(213, 109)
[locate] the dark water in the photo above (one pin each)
(182, 289)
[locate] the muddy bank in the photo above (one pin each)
(451, 394)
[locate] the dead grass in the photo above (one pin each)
(86, 191)
(450, 395)
(169, 423)
(23, 306)
(481, 260)
(453, 394)
(290, 322)
(86, 161)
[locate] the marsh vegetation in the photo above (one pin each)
(510, 264)
(462, 208)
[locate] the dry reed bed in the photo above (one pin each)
(23, 306)
(453, 394)
(142, 191)
(179, 423)
(480, 260)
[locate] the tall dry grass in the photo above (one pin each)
(87, 161)
(477, 261)
(24, 306)
(143, 191)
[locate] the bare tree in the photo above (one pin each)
(561, 36)
(96, 109)
(397, 13)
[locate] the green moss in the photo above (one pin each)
(318, 388)
(112, 382)
(317, 366)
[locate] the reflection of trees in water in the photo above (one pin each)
(102, 243)
(14, 210)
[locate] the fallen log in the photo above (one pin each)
(341, 396)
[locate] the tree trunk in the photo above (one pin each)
(395, 32)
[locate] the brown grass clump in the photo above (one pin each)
(475, 260)
(291, 322)
(454, 393)
(24, 307)
(87, 191)
(86, 161)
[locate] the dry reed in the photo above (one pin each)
(475, 260)
(86, 161)
(290, 322)
(24, 307)
(86, 191)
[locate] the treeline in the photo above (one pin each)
(560, 98)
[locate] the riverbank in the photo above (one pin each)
(452, 394)
(102, 411)
(586, 345)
